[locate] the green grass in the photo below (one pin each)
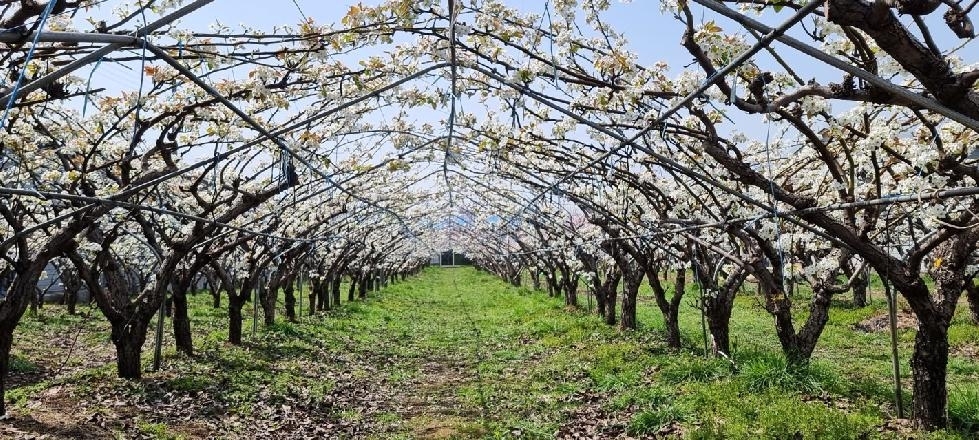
(454, 353)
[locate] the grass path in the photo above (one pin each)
(454, 353)
(459, 350)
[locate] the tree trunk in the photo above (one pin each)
(36, 298)
(670, 308)
(268, 294)
(71, 300)
(515, 279)
(335, 289)
(6, 340)
(928, 368)
(599, 292)
(72, 285)
(972, 295)
(290, 300)
(672, 320)
(629, 309)
(860, 287)
(780, 307)
(571, 294)
(215, 287)
(362, 285)
(631, 284)
(312, 299)
(610, 303)
(929, 361)
(323, 291)
(235, 303)
(128, 337)
(719, 326)
(718, 303)
(605, 293)
(805, 341)
(11, 310)
(353, 289)
(182, 336)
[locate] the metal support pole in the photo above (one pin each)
(895, 360)
(70, 37)
(299, 288)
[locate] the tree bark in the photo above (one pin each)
(72, 285)
(861, 283)
(717, 300)
(312, 299)
(268, 295)
(611, 318)
(629, 297)
(860, 291)
(323, 291)
(972, 295)
(629, 310)
(6, 341)
(571, 294)
(362, 286)
(235, 303)
(290, 300)
(183, 338)
(808, 336)
(670, 308)
(128, 337)
(719, 325)
(335, 289)
(36, 299)
(215, 287)
(599, 293)
(929, 364)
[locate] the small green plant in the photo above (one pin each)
(156, 431)
(18, 364)
(689, 368)
(963, 410)
(765, 371)
(188, 383)
(652, 420)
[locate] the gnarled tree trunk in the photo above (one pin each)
(632, 280)
(128, 336)
(335, 289)
(183, 338)
(670, 308)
